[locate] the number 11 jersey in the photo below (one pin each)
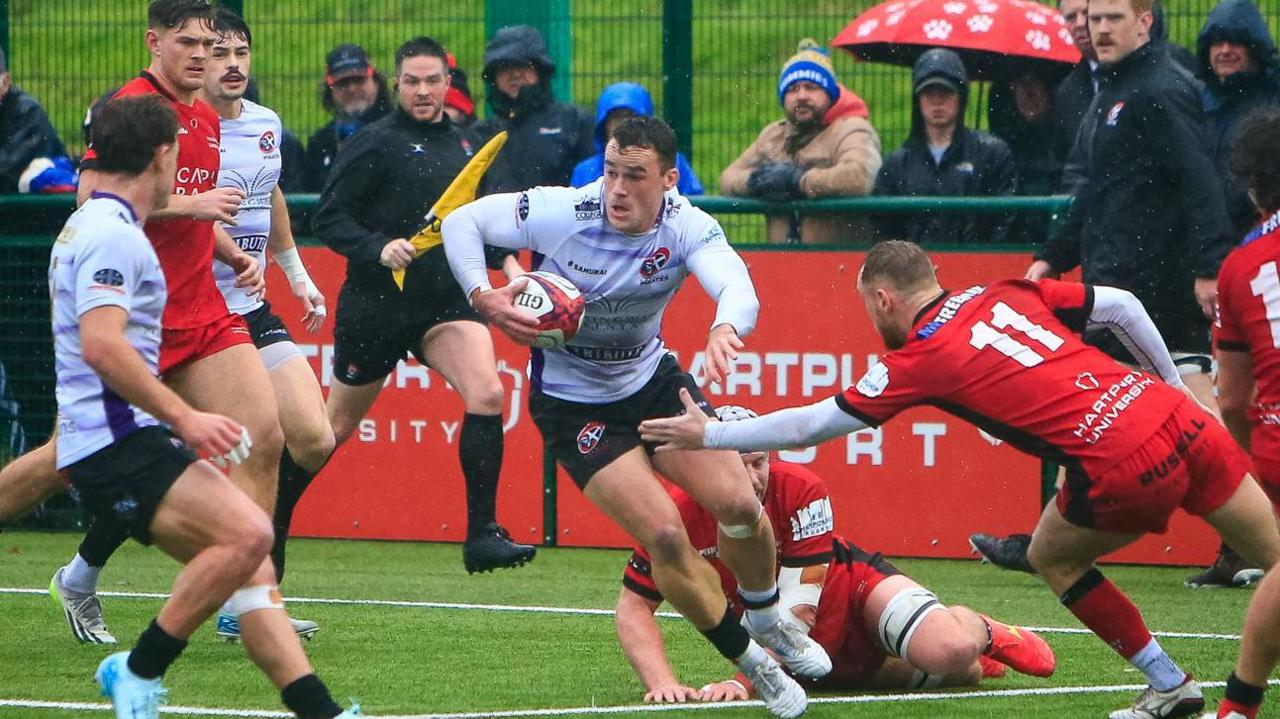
(1007, 357)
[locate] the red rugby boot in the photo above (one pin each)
(1021, 649)
(991, 669)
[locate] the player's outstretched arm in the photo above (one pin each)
(285, 251)
(802, 426)
(219, 205)
(1122, 313)
(641, 641)
(106, 349)
(490, 220)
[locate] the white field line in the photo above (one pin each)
(632, 708)
(554, 610)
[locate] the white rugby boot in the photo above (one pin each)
(83, 612)
(1184, 700)
(801, 654)
(782, 696)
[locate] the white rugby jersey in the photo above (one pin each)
(250, 162)
(627, 280)
(101, 259)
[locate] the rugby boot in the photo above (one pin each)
(1184, 700)
(1227, 571)
(227, 627)
(797, 651)
(782, 696)
(1005, 552)
(132, 696)
(1220, 715)
(492, 549)
(991, 669)
(1022, 650)
(83, 612)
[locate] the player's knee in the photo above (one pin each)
(313, 448)
(251, 539)
(485, 399)
(946, 654)
(667, 543)
(740, 515)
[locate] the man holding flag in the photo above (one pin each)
(399, 295)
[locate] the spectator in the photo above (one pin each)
(355, 93)
(1020, 112)
(546, 138)
(824, 147)
(618, 102)
(943, 157)
(1076, 91)
(458, 104)
(32, 158)
(1237, 62)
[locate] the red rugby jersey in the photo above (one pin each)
(184, 245)
(1249, 313)
(1007, 358)
(799, 507)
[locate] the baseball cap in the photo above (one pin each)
(938, 81)
(346, 61)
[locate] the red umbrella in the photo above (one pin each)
(989, 35)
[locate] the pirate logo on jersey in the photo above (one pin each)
(654, 263)
(590, 436)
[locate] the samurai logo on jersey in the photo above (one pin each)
(590, 436)
(267, 142)
(588, 209)
(654, 263)
(813, 520)
(948, 311)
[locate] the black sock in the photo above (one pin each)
(1242, 692)
(100, 542)
(309, 698)
(1227, 552)
(480, 453)
(155, 651)
(729, 637)
(293, 482)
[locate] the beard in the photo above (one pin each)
(804, 116)
(356, 108)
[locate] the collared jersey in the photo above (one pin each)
(101, 258)
(1006, 357)
(250, 163)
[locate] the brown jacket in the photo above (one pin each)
(839, 160)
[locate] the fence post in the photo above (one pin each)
(551, 17)
(550, 505)
(4, 31)
(677, 70)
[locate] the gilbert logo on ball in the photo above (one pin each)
(557, 304)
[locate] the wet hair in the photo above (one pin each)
(1255, 156)
(902, 265)
(172, 14)
(128, 130)
(421, 46)
(226, 23)
(649, 132)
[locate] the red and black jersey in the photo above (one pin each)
(799, 507)
(1007, 358)
(185, 245)
(1249, 309)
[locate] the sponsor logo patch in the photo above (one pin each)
(1086, 381)
(522, 207)
(588, 209)
(874, 382)
(590, 436)
(1113, 115)
(109, 278)
(267, 142)
(813, 520)
(654, 263)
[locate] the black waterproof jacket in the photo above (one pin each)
(25, 134)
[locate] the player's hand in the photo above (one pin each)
(220, 439)
(1039, 270)
(722, 350)
(1207, 296)
(249, 274)
(499, 307)
(680, 432)
(219, 204)
(726, 691)
(397, 254)
(674, 693)
(313, 307)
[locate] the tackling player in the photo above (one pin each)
(1002, 357)
(1247, 344)
(129, 470)
(251, 163)
(628, 241)
(881, 629)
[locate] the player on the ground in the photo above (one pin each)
(385, 179)
(251, 163)
(881, 629)
(1247, 345)
(1002, 357)
(207, 356)
(628, 241)
(128, 469)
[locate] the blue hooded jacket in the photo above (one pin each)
(631, 96)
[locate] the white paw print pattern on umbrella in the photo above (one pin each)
(937, 29)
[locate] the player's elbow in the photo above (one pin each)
(1232, 405)
(96, 350)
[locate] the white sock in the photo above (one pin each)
(752, 658)
(760, 620)
(1162, 673)
(79, 577)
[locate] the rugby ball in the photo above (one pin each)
(557, 304)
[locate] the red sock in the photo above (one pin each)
(1104, 609)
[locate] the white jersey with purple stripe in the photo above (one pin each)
(627, 280)
(101, 259)
(250, 163)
